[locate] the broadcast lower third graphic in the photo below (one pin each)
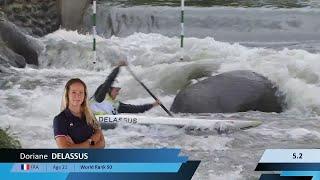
(293, 164)
(76, 164)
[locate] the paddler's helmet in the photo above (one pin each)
(116, 84)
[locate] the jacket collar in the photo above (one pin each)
(69, 114)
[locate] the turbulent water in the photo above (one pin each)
(30, 97)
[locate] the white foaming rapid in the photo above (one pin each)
(156, 62)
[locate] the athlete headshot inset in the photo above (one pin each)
(76, 126)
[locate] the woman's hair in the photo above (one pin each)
(85, 109)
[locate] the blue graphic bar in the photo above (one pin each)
(291, 156)
(292, 163)
(58, 167)
(94, 167)
(314, 174)
(185, 172)
(128, 167)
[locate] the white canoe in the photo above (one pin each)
(109, 121)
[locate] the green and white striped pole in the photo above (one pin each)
(94, 31)
(182, 29)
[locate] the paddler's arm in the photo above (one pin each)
(129, 108)
(104, 88)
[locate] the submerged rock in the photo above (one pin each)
(235, 91)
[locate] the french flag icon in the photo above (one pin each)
(25, 167)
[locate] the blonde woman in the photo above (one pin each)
(76, 126)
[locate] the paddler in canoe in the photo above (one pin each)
(104, 101)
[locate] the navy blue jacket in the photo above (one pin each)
(67, 124)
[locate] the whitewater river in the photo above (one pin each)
(30, 97)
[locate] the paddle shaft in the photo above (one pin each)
(151, 94)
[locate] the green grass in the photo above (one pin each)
(7, 141)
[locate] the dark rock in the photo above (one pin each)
(39, 23)
(8, 57)
(37, 31)
(14, 39)
(5, 2)
(47, 23)
(16, 9)
(21, 18)
(52, 16)
(47, 29)
(28, 8)
(28, 14)
(39, 15)
(235, 91)
(44, 7)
